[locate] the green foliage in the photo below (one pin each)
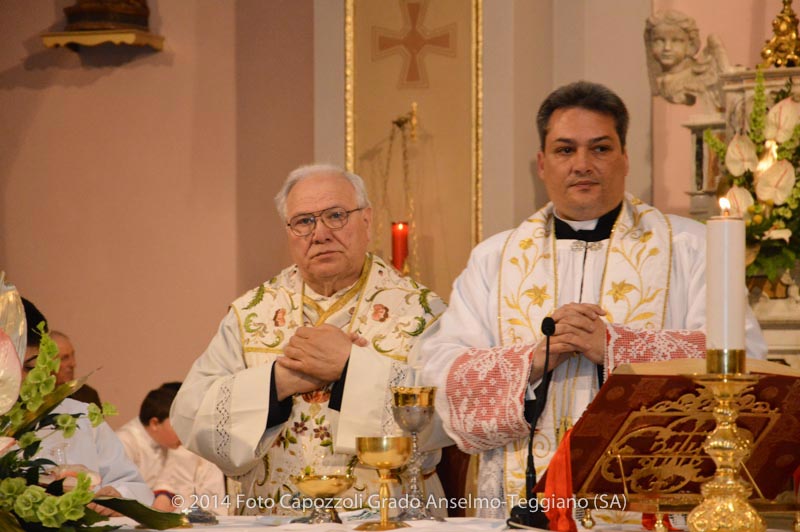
(788, 150)
(785, 92)
(773, 256)
(98, 415)
(758, 114)
(715, 144)
(24, 504)
(33, 504)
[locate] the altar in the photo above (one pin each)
(238, 523)
(458, 524)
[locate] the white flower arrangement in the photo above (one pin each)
(760, 168)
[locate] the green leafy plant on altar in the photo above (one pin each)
(760, 168)
(29, 500)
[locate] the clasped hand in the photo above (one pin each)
(314, 357)
(579, 329)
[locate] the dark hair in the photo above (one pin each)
(175, 385)
(158, 402)
(586, 95)
(33, 317)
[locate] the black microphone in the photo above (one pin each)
(548, 328)
(529, 514)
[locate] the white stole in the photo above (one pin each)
(634, 290)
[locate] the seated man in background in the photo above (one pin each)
(66, 352)
(96, 448)
(66, 372)
(169, 468)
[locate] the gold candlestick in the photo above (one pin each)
(725, 361)
(725, 506)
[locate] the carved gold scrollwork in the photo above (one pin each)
(659, 449)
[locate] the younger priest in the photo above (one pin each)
(623, 282)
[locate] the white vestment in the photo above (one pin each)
(471, 327)
(178, 471)
(222, 408)
(97, 448)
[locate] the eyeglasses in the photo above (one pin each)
(333, 218)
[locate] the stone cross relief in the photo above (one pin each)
(413, 41)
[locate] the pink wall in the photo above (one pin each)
(743, 26)
(135, 187)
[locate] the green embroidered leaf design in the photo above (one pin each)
(421, 323)
(326, 443)
(259, 295)
(248, 323)
(351, 464)
(373, 296)
(376, 345)
(278, 339)
(423, 300)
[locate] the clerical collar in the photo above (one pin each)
(583, 230)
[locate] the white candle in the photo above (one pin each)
(725, 292)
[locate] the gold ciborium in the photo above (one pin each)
(383, 453)
(413, 411)
(322, 488)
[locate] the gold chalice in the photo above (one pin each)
(322, 489)
(413, 411)
(383, 453)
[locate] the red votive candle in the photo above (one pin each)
(399, 244)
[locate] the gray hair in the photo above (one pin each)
(303, 172)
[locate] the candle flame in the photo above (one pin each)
(769, 158)
(399, 226)
(725, 206)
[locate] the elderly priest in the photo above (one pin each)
(301, 365)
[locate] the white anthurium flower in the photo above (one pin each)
(781, 120)
(776, 183)
(10, 373)
(741, 155)
(740, 199)
(778, 234)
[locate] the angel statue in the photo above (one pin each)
(677, 72)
